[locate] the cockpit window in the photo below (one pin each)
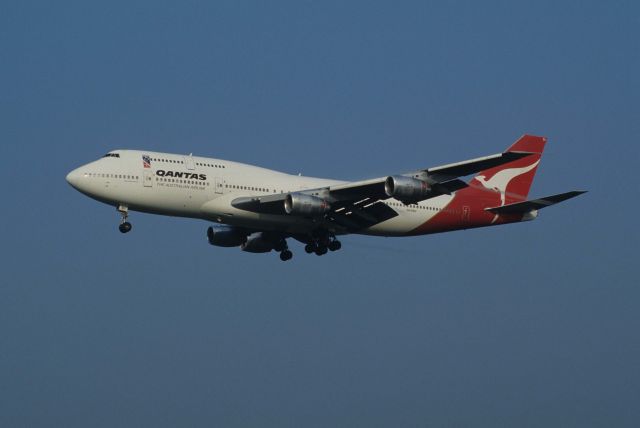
(112, 155)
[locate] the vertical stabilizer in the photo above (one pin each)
(513, 180)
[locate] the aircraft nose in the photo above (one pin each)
(73, 178)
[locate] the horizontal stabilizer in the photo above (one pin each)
(535, 204)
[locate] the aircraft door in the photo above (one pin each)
(219, 185)
(466, 214)
(147, 178)
(189, 163)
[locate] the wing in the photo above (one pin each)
(348, 214)
(441, 179)
(357, 205)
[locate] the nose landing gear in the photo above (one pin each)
(125, 226)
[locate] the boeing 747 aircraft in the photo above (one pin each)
(258, 209)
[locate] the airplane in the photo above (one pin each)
(258, 209)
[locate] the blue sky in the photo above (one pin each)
(527, 325)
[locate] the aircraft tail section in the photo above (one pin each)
(529, 144)
(513, 180)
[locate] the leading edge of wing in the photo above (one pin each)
(445, 174)
(472, 166)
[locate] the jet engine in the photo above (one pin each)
(257, 243)
(407, 189)
(305, 205)
(222, 235)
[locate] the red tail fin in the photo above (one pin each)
(513, 180)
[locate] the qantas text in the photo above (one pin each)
(177, 174)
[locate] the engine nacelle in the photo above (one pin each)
(305, 205)
(406, 189)
(257, 243)
(222, 235)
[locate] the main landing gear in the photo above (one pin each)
(286, 255)
(321, 246)
(282, 247)
(125, 226)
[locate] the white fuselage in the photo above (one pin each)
(199, 187)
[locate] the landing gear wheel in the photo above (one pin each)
(335, 245)
(309, 248)
(125, 227)
(321, 250)
(286, 255)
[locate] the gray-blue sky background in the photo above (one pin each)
(524, 325)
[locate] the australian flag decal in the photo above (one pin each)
(146, 161)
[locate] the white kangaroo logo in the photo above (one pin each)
(501, 180)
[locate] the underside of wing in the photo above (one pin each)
(348, 214)
(358, 216)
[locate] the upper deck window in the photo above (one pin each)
(112, 155)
